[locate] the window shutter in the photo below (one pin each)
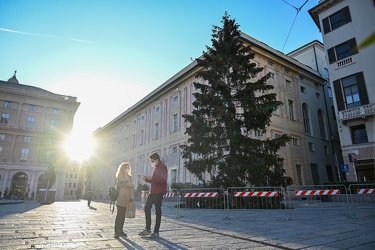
(326, 26)
(339, 98)
(353, 46)
(362, 88)
(331, 55)
(346, 12)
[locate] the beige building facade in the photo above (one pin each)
(155, 124)
(34, 124)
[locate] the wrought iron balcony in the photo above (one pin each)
(357, 112)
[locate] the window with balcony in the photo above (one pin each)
(342, 51)
(359, 134)
(351, 92)
(336, 20)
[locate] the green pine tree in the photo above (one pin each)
(230, 102)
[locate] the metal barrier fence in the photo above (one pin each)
(202, 198)
(244, 198)
(362, 196)
(317, 196)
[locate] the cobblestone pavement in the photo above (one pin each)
(73, 225)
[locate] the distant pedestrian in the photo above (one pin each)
(125, 186)
(89, 197)
(158, 181)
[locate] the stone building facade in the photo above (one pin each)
(34, 124)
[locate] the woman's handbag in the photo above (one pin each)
(113, 195)
(130, 210)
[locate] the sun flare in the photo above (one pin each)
(79, 146)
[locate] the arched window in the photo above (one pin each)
(306, 118)
(322, 126)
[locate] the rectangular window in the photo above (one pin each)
(329, 92)
(157, 109)
(54, 124)
(32, 108)
(175, 99)
(303, 89)
(56, 111)
(342, 51)
(30, 122)
(351, 91)
(174, 175)
(272, 75)
(291, 109)
(4, 118)
(2, 137)
(27, 139)
(7, 104)
(326, 151)
(48, 156)
(24, 154)
(288, 83)
(359, 134)
(311, 147)
(295, 141)
(336, 20)
(156, 131)
(175, 123)
(174, 149)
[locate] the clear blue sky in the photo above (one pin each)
(111, 53)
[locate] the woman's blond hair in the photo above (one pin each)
(121, 167)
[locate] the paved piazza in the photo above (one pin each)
(73, 225)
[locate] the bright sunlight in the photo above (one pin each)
(79, 146)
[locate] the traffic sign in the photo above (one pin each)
(344, 167)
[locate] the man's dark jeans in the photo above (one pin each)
(153, 199)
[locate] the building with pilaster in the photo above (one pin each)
(34, 124)
(155, 124)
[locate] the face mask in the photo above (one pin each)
(127, 171)
(153, 164)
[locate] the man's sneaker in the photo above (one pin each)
(145, 232)
(154, 235)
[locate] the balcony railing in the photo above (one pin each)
(357, 112)
(344, 62)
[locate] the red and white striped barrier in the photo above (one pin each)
(366, 191)
(259, 193)
(168, 195)
(317, 192)
(211, 194)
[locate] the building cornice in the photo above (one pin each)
(321, 7)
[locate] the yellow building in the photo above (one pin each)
(34, 123)
(155, 124)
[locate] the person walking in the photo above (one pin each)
(89, 198)
(158, 181)
(125, 186)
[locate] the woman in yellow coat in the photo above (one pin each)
(125, 186)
